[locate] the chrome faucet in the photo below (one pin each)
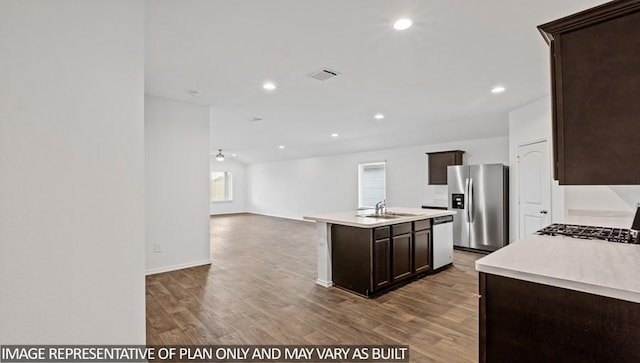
(381, 207)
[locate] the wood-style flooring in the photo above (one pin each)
(260, 289)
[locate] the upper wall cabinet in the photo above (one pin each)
(595, 87)
(438, 163)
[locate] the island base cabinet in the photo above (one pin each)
(351, 258)
(422, 251)
(402, 257)
(368, 261)
(522, 321)
(381, 263)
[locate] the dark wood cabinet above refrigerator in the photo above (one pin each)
(438, 162)
(595, 88)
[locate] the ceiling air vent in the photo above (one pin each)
(323, 74)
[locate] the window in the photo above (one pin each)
(221, 186)
(371, 184)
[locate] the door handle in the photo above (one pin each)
(466, 194)
(543, 212)
(470, 203)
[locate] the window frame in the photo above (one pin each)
(228, 184)
(361, 167)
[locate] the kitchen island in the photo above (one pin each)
(367, 253)
(547, 298)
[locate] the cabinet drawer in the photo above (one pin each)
(382, 232)
(402, 228)
(422, 225)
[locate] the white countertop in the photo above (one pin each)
(357, 219)
(597, 267)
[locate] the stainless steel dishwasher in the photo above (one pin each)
(442, 241)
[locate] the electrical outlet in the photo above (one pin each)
(158, 247)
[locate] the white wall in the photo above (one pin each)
(622, 198)
(301, 187)
(533, 122)
(239, 188)
(72, 172)
(530, 123)
(177, 180)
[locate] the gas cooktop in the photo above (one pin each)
(621, 235)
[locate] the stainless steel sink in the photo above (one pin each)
(387, 215)
(401, 214)
(379, 216)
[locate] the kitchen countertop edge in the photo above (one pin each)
(581, 273)
(351, 218)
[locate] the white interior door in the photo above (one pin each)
(534, 188)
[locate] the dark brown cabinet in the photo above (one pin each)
(402, 256)
(381, 263)
(351, 258)
(595, 87)
(401, 251)
(422, 246)
(522, 321)
(369, 260)
(438, 162)
(422, 251)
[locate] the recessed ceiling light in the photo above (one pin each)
(281, 147)
(378, 116)
(402, 24)
(498, 89)
(256, 119)
(234, 155)
(334, 135)
(269, 86)
(194, 93)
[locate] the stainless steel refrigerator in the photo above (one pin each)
(480, 196)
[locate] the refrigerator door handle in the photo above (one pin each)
(470, 202)
(466, 193)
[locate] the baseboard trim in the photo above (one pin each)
(158, 270)
(324, 283)
(299, 219)
(215, 214)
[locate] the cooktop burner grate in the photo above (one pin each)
(620, 235)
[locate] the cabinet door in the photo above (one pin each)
(438, 163)
(595, 112)
(402, 256)
(562, 325)
(422, 251)
(351, 258)
(381, 263)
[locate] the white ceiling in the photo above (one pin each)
(432, 81)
